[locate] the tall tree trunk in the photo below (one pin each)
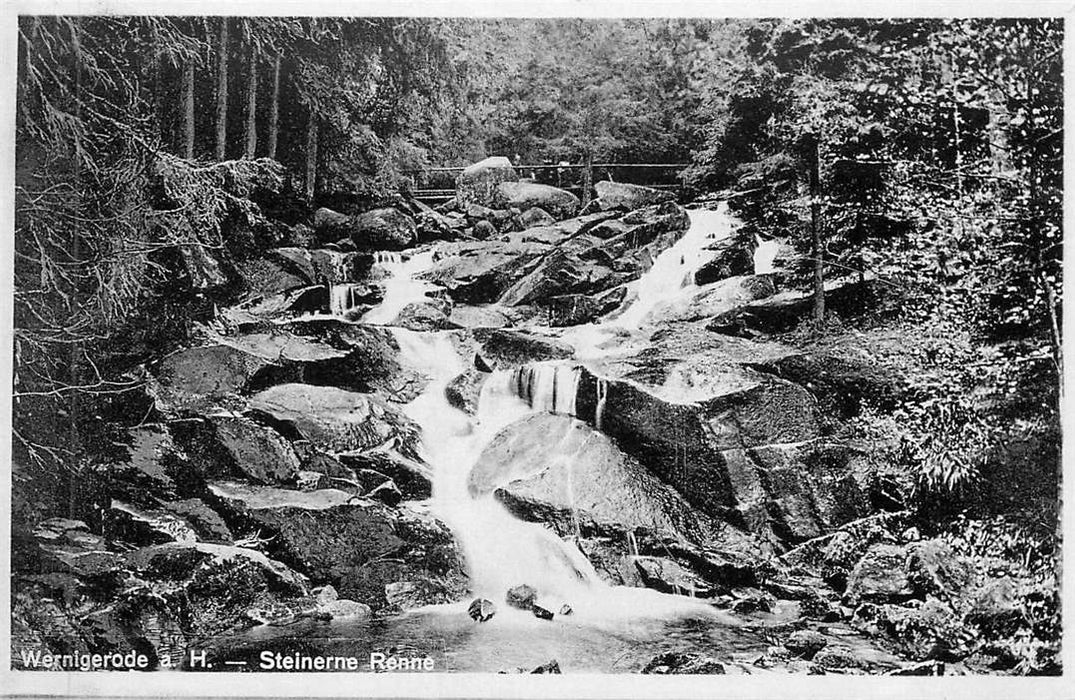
(274, 108)
(815, 230)
(311, 154)
(251, 104)
(222, 90)
(187, 100)
(77, 349)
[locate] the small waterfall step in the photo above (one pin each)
(549, 386)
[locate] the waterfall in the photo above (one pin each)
(342, 266)
(765, 255)
(549, 386)
(602, 399)
(387, 257)
(342, 298)
(402, 287)
(674, 268)
(501, 551)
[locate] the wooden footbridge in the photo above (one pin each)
(437, 184)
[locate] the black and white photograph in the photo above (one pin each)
(418, 346)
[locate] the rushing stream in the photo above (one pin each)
(609, 624)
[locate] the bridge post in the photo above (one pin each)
(587, 178)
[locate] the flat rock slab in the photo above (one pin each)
(257, 497)
(332, 419)
(284, 346)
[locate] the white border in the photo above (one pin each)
(188, 684)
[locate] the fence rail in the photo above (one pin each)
(444, 192)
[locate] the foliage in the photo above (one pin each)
(547, 90)
(1026, 637)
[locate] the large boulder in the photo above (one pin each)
(477, 184)
(479, 272)
(263, 277)
(424, 316)
(587, 261)
(360, 547)
(560, 204)
(788, 494)
(161, 600)
(324, 352)
(783, 311)
(536, 216)
(257, 452)
(383, 229)
(881, 576)
(369, 360)
(574, 309)
(728, 260)
(889, 573)
(713, 299)
(332, 419)
(560, 472)
(464, 390)
(620, 195)
(321, 266)
(642, 226)
(510, 348)
(843, 380)
(563, 472)
(219, 583)
(683, 400)
(194, 379)
(560, 273)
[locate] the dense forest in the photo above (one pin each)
(911, 171)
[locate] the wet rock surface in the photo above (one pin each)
(280, 479)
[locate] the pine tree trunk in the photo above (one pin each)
(251, 105)
(311, 155)
(815, 230)
(274, 108)
(222, 90)
(187, 102)
(77, 349)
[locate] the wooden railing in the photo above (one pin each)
(427, 179)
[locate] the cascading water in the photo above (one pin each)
(674, 269)
(501, 550)
(765, 255)
(382, 257)
(602, 400)
(343, 298)
(671, 276)
(548, 386)
(402, 287)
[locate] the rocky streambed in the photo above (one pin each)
(417, 408)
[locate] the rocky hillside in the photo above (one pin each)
(273, 475)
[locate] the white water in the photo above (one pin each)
(402, 287)
(342, 298)
(502, 551)
(765, 255)
(673, 270)
(670, 277)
